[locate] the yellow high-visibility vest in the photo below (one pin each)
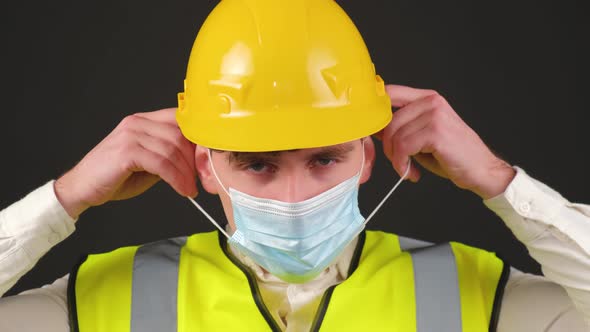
(195, 284)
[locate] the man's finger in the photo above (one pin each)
(417, 142)
(171, 153)
(410, 113)
(401, 95)
(402, 117)
(154, 163)
(168, 133)
(409, 128)
(166, 115)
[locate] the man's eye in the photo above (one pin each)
(257, 167)
(325, 161)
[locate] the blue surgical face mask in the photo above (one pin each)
(297, 241)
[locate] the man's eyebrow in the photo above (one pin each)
(249, 157)
(334, 151)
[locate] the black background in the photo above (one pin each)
(516, 72)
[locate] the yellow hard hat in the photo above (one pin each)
(269, 75)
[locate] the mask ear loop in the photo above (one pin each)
(390, 192)
(360, 173)
(381, 203)
(203, 210)
(215, 173)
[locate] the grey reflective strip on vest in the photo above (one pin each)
(438, 303)
(406, 243)
(155, 285)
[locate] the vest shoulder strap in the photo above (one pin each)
(115, 285)
(418, 286)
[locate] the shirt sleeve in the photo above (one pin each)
(41, 309)
(556, 233)
(535, 303)
(28, 229)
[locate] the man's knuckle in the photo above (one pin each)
(437, 116)
(401, 133)
(178, 136)
(431, 92)
(127, 134)
(172, 152)
(125, 159)
(127, 121)
(128, 148)
(436, 101)
(400, 146)
(163, 167)
(161, 162)
(438, 124)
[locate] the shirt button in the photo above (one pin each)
(524, 207)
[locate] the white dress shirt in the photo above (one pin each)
(555, 231)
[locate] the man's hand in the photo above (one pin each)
(141, 150)
(426, 127)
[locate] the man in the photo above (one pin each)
(279, 124)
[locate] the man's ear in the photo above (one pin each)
(204, 172)
(369, 146)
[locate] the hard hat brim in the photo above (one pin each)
(274, 130)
